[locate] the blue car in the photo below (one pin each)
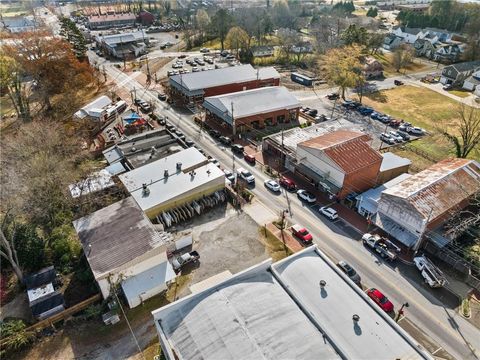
(375, 115)
(365, 110)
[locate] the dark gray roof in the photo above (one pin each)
(46, 303)
(116, 235)
(412, 31)
(466, 66)
(42, 277)
(218, 77)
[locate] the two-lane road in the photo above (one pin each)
(431, 310)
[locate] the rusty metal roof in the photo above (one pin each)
(348, 149)
(439, 188)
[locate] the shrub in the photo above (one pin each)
(65, 247)
(15, 334)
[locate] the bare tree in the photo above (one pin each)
(467, 138)
(7, 244)
(462, 221)
(402, 56)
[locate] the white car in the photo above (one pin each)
(395, 136)
(229, 175)
(272, 185)
(416, 131)
(246, 175)
(387, 139)
(306, 196)
(214, 162)
(328, 212)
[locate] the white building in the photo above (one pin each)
(123, 247)
(279, 311)
(408, 35)
(123, 45)
(173, 181)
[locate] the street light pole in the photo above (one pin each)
(400, 312)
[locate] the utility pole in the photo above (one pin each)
(283, 150)
(233, 123)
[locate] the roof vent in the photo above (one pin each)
(153, 150)
(145, 190)
(356, 318)
(323, 283)
(165, 173)
(179, 166)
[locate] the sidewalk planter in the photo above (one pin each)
(465, 310)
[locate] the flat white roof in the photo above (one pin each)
(37, 293)
(251, 102)
(228, 75)
(95, 108)
(178, 181)
(278, 311)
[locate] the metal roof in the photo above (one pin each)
(218, 77)
(94, 108)
(113, 40)
(115, 235)
(164, 187)
(391, 161)
(251, 102)
(277, 311)
(440, 187)
(348, 149)
(296, 135)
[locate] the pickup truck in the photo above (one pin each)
(379, 245)
(184, 259)
(432, 275)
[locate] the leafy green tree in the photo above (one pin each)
(221, 24)
(237, 39)
(70, 32)
(354, 35)
(66, 248)
(30, 247)
(372, 12)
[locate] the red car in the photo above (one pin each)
(287, 184)
(250, 159)
(380, 299)
(301, 233)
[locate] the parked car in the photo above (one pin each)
(189, 142)
(404, 135)
(145, 107)
(386, 138)
(304, 109)
(246, 175)
(307, 196)
(204, 50)
(272, 185)
(182, 56)
(364, 110)
(416, 131)
(312, 112)
(229, 175)
(332, 96)
(349, 104)
(322, 117)
(380, 299)
(214, 162)
(301, 233)
(395, 136)
(224, 53)
(237, 148)
(350, 272)
(448, 87)
(250, 159)
(398, 82)
(375, 115)
(195, 69)
(162, 97)
(225, 140)
(328, 212)
(214, 133)
(287, 184)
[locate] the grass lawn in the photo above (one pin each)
(389, 70)
(424, 108)
(460, 93)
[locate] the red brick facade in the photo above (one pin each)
(248, 85)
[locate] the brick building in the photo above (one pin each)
(193, 87)
(341, 162)
(107, 21)
(254, 108)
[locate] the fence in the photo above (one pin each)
(58, 317)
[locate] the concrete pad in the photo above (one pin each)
(260, 213)
(211, 281)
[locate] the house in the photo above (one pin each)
(408, 35)
(146, 18)
(194, 87)
(123, 45)
(107, 21)
(17, 24)
(120, 243)
(430, 46)
(262, 51)
(340, 162)
(471, 83)
(391, 42)
(262, 311)
(417, 8)
(372, 68)
(303, 47)
(254, 108)
(392, 166)
(417, 206)
(43, 297)
(94, 110)
(447, 53)
(456, 74)
(173, 181)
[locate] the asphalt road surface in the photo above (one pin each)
(431, 310)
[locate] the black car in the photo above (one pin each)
(404, 135)
(225, 140)
(333, 96)
(224, 53)
(312, 112)
(350, 272)
(237, 148)
(162, 97)
(214, 133)
(138, 101)
(398, 82)
(349, 104)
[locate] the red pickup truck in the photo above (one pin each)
(301, 233)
